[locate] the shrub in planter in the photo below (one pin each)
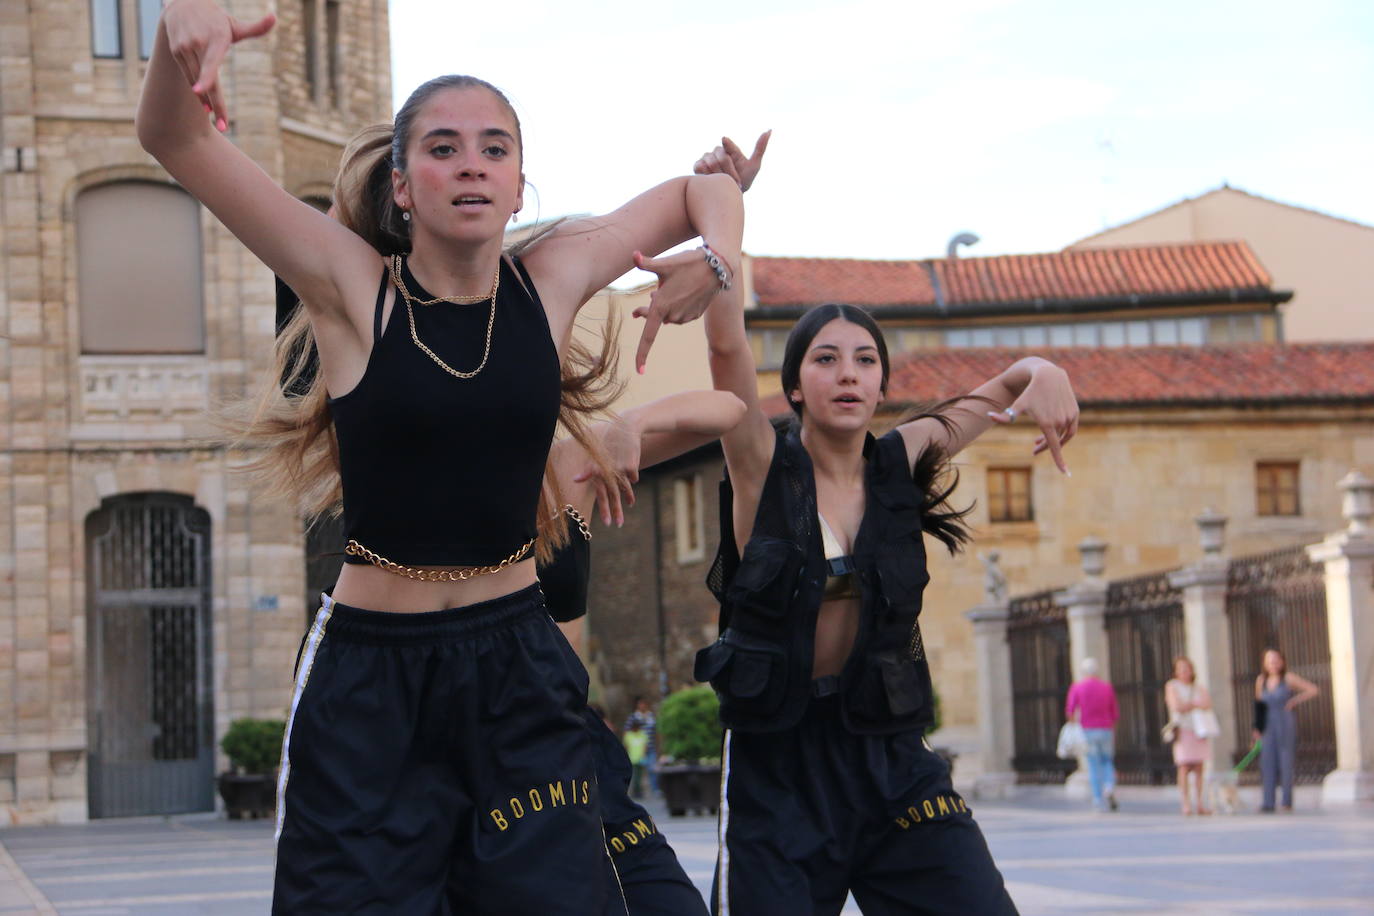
(253, 747)
(689, 736)
(689, 725)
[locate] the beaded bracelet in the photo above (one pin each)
(716, 263)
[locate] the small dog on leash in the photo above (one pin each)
(1223, 794)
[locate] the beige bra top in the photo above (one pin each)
(840, 580)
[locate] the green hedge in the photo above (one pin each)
(254, 745)
(689, 725)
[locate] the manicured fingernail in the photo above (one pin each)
(222, 124)
(1068, 473)
(641, 370)
(196, 88)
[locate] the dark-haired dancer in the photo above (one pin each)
(436, 758)
(653, 881)
(828, 786)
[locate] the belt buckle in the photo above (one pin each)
(825, 686)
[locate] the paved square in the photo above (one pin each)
(1058, 858)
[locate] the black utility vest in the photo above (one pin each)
(761, 664)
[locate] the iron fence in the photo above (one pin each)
(1038, 639)
(1144, 624)
(1277, 600)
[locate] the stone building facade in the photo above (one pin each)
(146, 597)
(1163, 432)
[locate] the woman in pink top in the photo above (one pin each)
(1092, 701)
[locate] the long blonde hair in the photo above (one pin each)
(288, 424)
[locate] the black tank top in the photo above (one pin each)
(443, 471)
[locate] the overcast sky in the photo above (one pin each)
(898, 124)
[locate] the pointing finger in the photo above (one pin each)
(761, 146)
(646, 340)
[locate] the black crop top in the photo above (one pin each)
(439, 470)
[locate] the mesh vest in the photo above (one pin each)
(760, 666)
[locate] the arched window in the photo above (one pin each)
(139, 269)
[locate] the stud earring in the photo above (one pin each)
(405, 215)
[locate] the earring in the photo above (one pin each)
(514, 215)
(405, 215)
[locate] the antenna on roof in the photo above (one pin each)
(963, 238)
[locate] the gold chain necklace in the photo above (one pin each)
(410, 313)
(396, 264)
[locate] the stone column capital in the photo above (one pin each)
(1342, 545)
(1085, 599)
(988, 616)
(1206, 573)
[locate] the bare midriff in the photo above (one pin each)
(837, 626)
(374, 589)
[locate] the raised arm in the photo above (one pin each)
(313, 254)
(639, 438)
(1032, 388)
(580, 257)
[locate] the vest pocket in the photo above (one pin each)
(746, 671)
(905, 681)
(767, 577)
(902, 576)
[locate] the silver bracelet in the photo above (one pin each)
(716, 263)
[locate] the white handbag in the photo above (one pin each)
(1071, 741)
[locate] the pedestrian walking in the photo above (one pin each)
(643, 716)
(1092, 701)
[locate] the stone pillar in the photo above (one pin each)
(996, 736)
(1206, 631)
(1349, 559)
(1084, 604)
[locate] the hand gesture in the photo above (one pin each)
(199, 34)
(622, 443)
(730, 159)
(686, 286)
(1048, 400)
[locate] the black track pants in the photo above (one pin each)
(815, 812)
(440, 763)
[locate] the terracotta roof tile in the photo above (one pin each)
(1064, 276)
(1141, 376)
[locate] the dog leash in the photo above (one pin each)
(1245, 761)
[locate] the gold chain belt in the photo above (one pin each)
(354, 549)
(462, 574)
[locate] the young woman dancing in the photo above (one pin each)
(653, 881)
(827, 784)
(436, 758)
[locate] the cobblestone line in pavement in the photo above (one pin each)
(17, 893)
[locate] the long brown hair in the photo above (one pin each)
(289, 425)
(933, 473)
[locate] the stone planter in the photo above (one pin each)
(691, 787)
(248, 795)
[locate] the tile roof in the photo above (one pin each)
(1254, 374)
(1123, 274)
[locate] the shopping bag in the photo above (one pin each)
(1205, 724)
(1071, 741)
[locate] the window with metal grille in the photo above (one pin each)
(1009, 495)
(1276, 488)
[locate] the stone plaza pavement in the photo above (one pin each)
(1056, 856)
